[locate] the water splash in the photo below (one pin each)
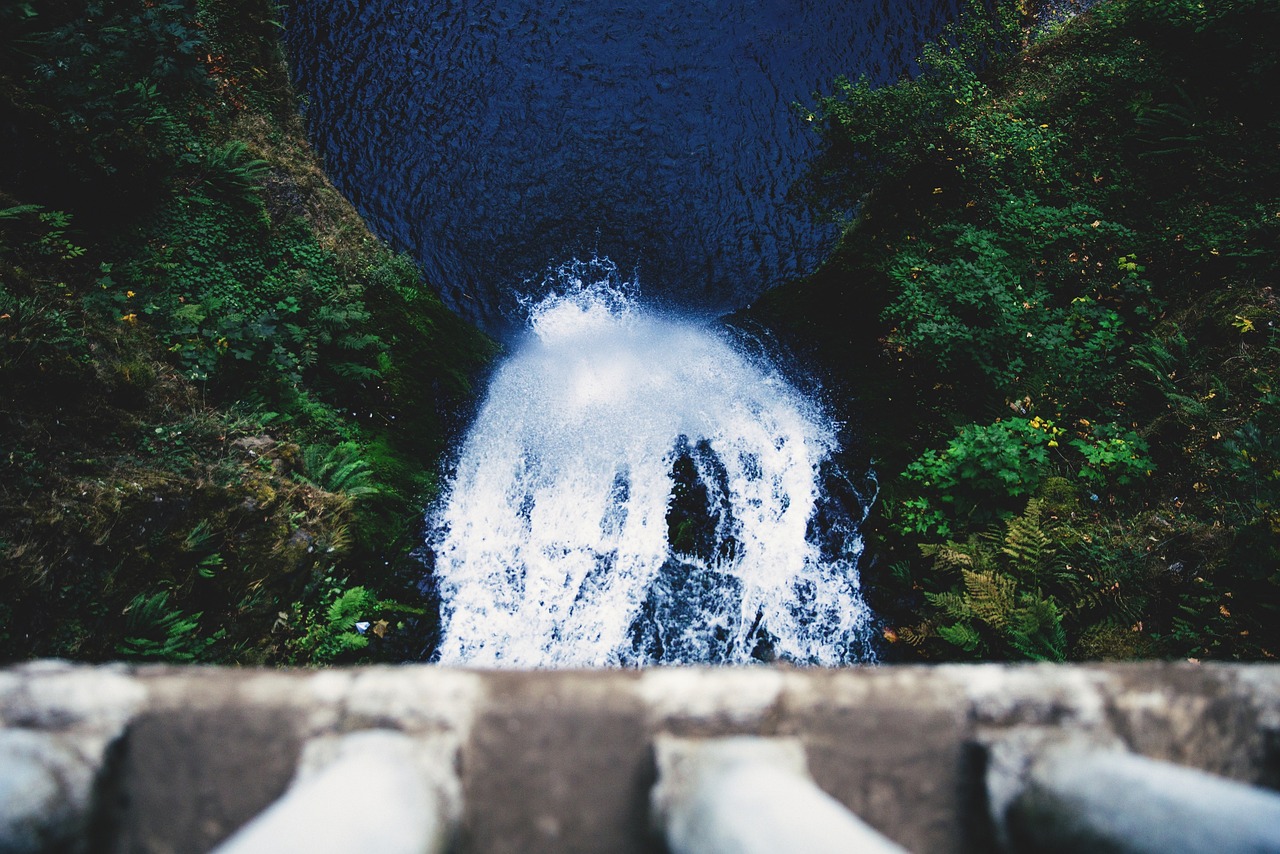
(635, 489)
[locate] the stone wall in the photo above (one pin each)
(163, 759)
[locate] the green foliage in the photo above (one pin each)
(156, 632)
(195, 331)
(1113, 456)
(971, 306)
(340, 468)
(881, 134)
(232, 172)
(104, 89)
(238, 299)
(999, 607)
(984, 470)
(973, 478)
(330, 633)
(200, 543)
(1194, 15)
(1082, 236)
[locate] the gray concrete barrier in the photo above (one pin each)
(168, 759)
(750, 795)
(1067, 792)
(376, 787)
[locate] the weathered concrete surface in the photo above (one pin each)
(563, 761)
(187, 778)
(58, 726)
(45, 788)
(558, 764)
(750, 795)
(1056, 793)
(374, 788)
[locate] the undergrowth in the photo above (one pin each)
(1062, 247)
(223, 399)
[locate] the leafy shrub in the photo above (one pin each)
(1113, 456)
(880, 134)
(331, 632)
(1022, 302)
(1117, 288)
(976, 475)
(154, 280)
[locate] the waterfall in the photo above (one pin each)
(637, 489)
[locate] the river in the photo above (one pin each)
(596, 184)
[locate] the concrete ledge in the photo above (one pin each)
(1054, 791)
(180, 758)
(748, 795)
(349, 788)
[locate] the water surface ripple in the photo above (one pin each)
(494, 139)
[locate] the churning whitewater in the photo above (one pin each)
(634, 490)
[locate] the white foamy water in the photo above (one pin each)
(552, 542)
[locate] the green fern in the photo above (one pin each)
(1171, 129)
(916, 635)
(333, 632)
(991, 596)
(157, 633)
(953, 603)
(339, 469)
(1026, 545)
(19, 210)
(962, 635)
(235, 173)
(996, 602)
(1036, 630)
(948, 556)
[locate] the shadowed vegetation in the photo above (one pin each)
(223, 400)
(1060, 257)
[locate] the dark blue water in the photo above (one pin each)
(494, 139)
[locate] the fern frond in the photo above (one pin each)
(339, 469)
(916, 635)
(233, 171)
(991, 597)
(947, 556)
(1025, 543)
(952, 603)
(1036, 631)
(962, 635)
(156, 632)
